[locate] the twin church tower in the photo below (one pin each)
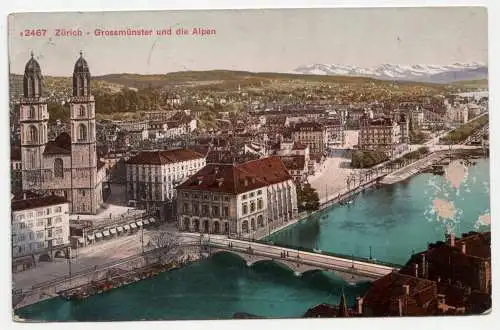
(67, 166)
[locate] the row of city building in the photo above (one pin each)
(449, 278)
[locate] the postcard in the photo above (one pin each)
(235, 164)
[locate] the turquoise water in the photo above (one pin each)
(393, 220)
(396, 219)
(209, 289)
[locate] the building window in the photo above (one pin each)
(58, 168)
(252, 207)
(58, 220)
(245, 208)
(205, 210)
(215, 211)
(260, 204)
(226, 211)
(244, 196)
(259, 192)
(252, 194)
(185, 208)
(39, 223)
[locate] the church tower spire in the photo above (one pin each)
(32, 80)
(86, 190)
(81, 77)
(33, 120)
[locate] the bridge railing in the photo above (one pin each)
(331, 254)
(90, 270)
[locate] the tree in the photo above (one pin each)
(307, 198)
(164, 242)
(367, 158)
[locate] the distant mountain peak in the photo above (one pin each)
(416, 72)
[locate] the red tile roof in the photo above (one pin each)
(271, 169)
(164, 157)
(450, 263)
(26, 204)
(476, 244)
(60, 146)
(237, 179)
(385, 290)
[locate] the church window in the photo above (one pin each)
(58, 168)
(82, 111)
(82, 132)
(33, 134)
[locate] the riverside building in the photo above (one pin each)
(238, 200)
(153, 175)
(40, 229)
(384, 134)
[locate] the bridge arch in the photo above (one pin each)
(235, 255)
(279, 263)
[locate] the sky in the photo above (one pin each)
(277, 40)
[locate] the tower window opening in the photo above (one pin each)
(82, 132)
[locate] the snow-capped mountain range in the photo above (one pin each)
(417, 72)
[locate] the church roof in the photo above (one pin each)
(60, 146)
(81, 65)
(32, 66)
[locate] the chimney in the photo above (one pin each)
(423, 265)
(400, 306)
(360, 305)
(452, 239)
(415, 266)
(406, 289)
(464, 248)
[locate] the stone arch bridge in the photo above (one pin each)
(299, 262)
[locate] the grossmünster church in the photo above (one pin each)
(67, 166)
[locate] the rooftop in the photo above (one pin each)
(36, 202)
(236, 179)
(163, 157)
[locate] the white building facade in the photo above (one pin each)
(39, 224)
(153, 175)
(237, 200)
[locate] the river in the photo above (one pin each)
(392, 220)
